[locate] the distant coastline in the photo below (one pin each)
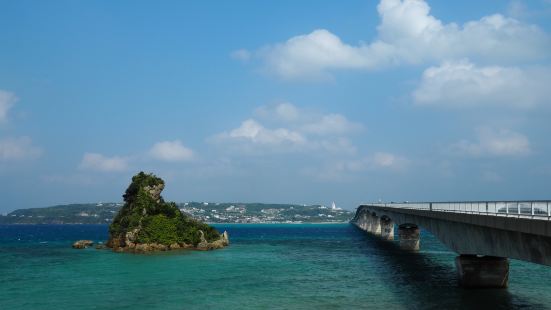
(220, 223)
(212, 213)
(281, 223)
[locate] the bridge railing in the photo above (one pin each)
(537, 209)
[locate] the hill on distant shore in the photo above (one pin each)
(103, 213)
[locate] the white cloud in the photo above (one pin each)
(171, 151)
(99, 162)
(387, 160)
(282, 111)
(419, 36)
(339, 145)
(492, 142)
(253, 138)
(308, 122)
(18, 149)
(253, 131)
(407, 34)
(464, 84)
(312, 54)
(7, 100)
(332, 124)
(291, 130)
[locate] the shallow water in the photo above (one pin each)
(267, 266)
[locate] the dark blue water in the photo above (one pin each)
(266, 267)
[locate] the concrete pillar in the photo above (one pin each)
(375, 225)
(363, 223)
(368, 222)
(409, 237)
(387, 228)
(482, 271)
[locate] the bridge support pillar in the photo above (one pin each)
(367, 225)
(375, 225)
(387, 228)
(368, 220)
(363, 221)
(482, 271)
(409, 237)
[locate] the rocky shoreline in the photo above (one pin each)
(82, 244)
(132, 247)
(129, 245)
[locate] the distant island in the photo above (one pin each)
(147, 223)
(209, 212)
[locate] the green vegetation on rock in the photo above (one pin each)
(146, 218)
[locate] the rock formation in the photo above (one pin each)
(82, 244)
(147, 223)
(217, 244)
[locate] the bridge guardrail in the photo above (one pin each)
(536, 209)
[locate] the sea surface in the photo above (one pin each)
(267, 266)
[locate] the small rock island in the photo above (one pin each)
(147, 223)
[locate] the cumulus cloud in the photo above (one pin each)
(418, 36)
(464, 84)
(293, 130)
(19, 148)
(282, 111)
(407, 34)
(7, 100)
(311, 55)
(99, 162)
(171, 151)
(308, 122)
(331, 124)
(252, 131)
(494, 142)
(339, 145)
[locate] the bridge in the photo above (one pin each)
(484, 233)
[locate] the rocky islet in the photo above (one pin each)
(147, 223)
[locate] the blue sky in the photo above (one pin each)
(282, 101)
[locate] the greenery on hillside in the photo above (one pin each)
(154, 220)
(103, 213)
(89, 213)
(264, 213)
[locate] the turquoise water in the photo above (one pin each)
(266, 267)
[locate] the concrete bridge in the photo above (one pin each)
(484, 233)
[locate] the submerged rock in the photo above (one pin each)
(147, 223)
(100, 246)
(82, 244)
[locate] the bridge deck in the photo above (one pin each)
(515, 229)
(530, 209)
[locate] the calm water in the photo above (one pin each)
(267, 266)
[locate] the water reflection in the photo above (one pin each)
(427, 279)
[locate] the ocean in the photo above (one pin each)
(267, 266)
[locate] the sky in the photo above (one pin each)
(275, 101)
